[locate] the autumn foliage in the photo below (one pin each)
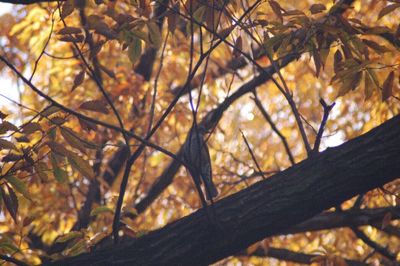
(105, 93)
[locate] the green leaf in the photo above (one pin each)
(99, 210)
(72, 138)
(155, 36)
(41, 169)
(134, 50)
(69, 236)
(8, 247)
(80, 164)
(198, 15)
(18, 185)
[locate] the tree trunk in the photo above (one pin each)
(267, 207)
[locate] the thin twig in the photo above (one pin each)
(327, 110)
(273, 126)
(252, 155)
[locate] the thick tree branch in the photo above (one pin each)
(267, 207)
(298, 257)
(332, 220)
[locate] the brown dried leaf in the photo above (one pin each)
(317, 8)
(87, 126)
(78, 79)
(238, 47)
(387, 86)
(317, 61)
(3, 115)
(7, 126)
(277, 9)
(7, 145)
(95, 106)
(387, 9)
(368, 86)
(377, 47)
(338, 57)
(109, 72)
(69, 30)
(11, 157)
(67, 8)
(31, 127)
(57, 148)
(386, 220)
(11, 201)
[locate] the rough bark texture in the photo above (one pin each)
(267, 207)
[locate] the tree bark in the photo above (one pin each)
(267, 207)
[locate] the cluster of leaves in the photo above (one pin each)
(91, 59)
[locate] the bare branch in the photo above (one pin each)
(327, 110)
(298, 257)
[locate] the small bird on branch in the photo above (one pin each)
(197, 156)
